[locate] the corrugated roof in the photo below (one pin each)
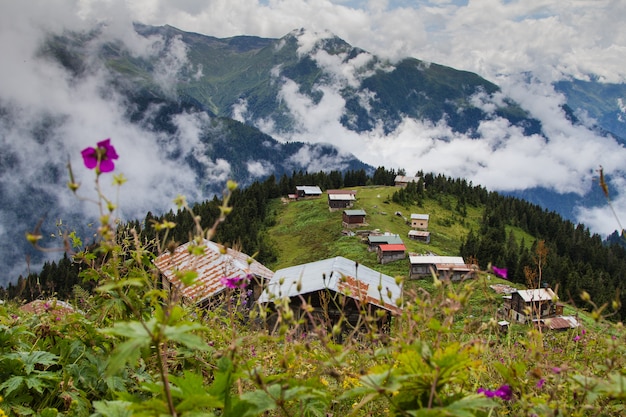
(392, 247)
(418, 233)
(452, 267)
(420, 216)
(541, 294)
(351, 192)
(404, 178)
(389, 239)
(338, 274)
(341, 197)
(434, 259)
(215, 263)
(560, 322)
(355, 212)
(309, 189)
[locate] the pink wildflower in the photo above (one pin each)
(501, 272)
(503, 392)
(576, 338)
(230, 282)
(101, 157)
(540, 383)
(235, 282)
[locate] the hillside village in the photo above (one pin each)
(360, 284)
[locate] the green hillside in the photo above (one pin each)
(307, 231)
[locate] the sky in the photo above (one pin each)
(502, 40)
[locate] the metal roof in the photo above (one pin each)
(342, 197)
(541, 294)
(389, 239)
(418, 233)
(420, 216)
(309, 189)
(216, 262)
(355, 212)
(351, 192)
(434, 259)
(452, 267)
(560, 322)
(392, 247)
(404, 178)
(338, 274)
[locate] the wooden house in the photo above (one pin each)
(373, 241)
(212, 264)
(333, 289)
(403, 180)
(308, 191)
(419, 221)
(420, 235)
(340, 199)
(527, 305)
(353, 218)
(444, 267)
(390, 252)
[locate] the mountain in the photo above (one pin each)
(604, 103)
(189, 111)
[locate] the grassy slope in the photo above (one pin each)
(307, 231)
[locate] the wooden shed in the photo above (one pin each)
(451, 267)
(353, 218)
(419, 221)
(341, 199)
(391, 252)
(308, 191)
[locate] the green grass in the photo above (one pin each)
(306, 231)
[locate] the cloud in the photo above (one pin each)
(259, 168)
(503, 41)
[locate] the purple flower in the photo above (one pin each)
(233, 282)
(576, 338)
(501, 272)
(101, 157)
(540, 383)
(557, 370)
(503, 392)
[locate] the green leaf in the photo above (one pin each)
(130, 350)
(11, 384)
(49, 412)
(181, 333)
(120, 284)
(113, 408)
(38, 357)
(259, 402)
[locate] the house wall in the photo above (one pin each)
(419, 224)
(353, 220)
(420, 271)
(387, 257)
(339, 204)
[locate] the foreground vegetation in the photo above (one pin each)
(133, 349)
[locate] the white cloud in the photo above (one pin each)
(259, 168)
(500, 40)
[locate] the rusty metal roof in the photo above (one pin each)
(216, 262)
(351, 192)
(392, 247)
(560, 322)
(338, 274)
